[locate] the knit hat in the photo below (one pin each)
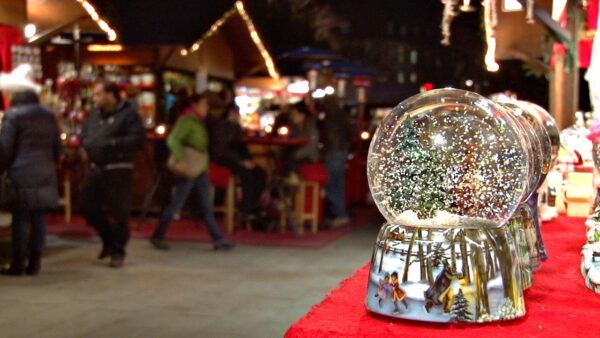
(21, 79)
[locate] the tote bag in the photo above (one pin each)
(196, 162)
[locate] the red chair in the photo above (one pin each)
(221, 177)
(308, 204)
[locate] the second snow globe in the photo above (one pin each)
(447, 169)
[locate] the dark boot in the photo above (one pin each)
(17, 266)
(106, 252)
(35, 264)
(405, 304)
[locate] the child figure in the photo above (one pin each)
(384, 290)
(397, 293)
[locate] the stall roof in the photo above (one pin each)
(218, 37)
(151, 22)
(515, 36)
(49, 14)
(231, 47)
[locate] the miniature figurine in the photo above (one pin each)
(398, 294)
(384, 290)
(437, 294)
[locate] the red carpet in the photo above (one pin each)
(194, 231)
(558, 305)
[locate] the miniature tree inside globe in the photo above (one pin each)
(448, 158)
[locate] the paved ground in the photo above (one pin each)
(189, 291)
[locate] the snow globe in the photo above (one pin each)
(547, 130)
(590, 262)
(539, 141)
(447, 169)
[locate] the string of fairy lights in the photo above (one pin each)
(104, 26)
(239, 9)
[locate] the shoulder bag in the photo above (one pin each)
(196, 162)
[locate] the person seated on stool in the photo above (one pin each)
(190, 130)
(229, 151)
(302, 125)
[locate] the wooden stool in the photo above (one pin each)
(300, 212)
(228, 206)
(221, 177)
(65, 201)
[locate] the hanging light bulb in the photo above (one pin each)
(466, 6)
(29, 30)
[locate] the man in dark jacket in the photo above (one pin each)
(110, 136)
(30, 145)
(337, 133)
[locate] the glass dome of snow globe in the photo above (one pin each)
(528, 112)
(535, 153)
(548, 124)
(448, 158)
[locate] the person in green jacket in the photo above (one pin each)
(190, 130)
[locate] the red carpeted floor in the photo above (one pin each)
(194, 231)
(558, 305)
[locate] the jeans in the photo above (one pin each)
(335, 186)
(20, 236)
(201, 184)
(108, 192)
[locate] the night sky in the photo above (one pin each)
(364, 32)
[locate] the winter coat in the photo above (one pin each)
(308, 131)
(30, 144)
(190, 131)
(440, 286)
(226, 147)
(337, 131)
(113, 137)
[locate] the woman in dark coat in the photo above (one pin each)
(30, 144)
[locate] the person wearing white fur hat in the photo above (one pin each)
(29, 149)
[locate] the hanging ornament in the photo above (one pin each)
(466, 6)
(490, 18)
(529, 11)
(448, 16)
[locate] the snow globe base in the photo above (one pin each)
(522, 229)
(445, 275)
(590, 265)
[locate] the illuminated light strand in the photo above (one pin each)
(239, 8)
(447, 17)
(104, 48)
(490, 19)
(104, 26)
(255, 37)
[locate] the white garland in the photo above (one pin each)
(529, 15)
(448, 16)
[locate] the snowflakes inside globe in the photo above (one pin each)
(448, 158)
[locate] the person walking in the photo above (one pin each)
(191, 131)
(110, 137)
(30, 144)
